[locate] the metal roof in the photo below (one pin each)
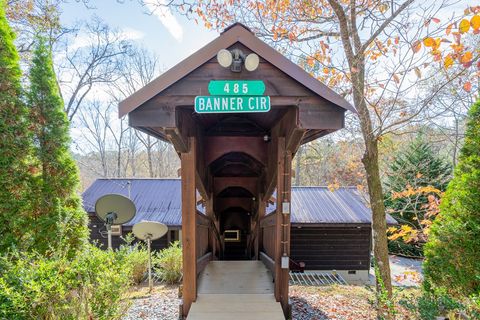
(155, 199)
(321, 205)
(160, 200)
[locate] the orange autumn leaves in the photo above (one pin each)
(409, 233)
(457, 51)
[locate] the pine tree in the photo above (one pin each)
(414, 168)
(15, 144)
(453, 250)
(60, 220)
(417, 165)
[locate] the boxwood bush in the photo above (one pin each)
(91, 286)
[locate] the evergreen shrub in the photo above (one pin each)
(453, 250)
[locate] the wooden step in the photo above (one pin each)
(235, 290)
(235, 277)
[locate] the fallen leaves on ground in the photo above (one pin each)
(335, 302)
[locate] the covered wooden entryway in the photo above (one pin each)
(232, 163)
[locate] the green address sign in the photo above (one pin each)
(226, 104)
(236, 87)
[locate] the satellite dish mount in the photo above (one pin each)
(148, 231)
(114, 209)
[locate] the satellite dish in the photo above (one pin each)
(148, 231)
(115, 209)
(152, 230)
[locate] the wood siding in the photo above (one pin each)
(96, 226)
(331, 248)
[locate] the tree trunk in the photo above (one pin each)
(370, 162)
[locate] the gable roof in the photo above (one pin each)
(233, 34)
(160, 200)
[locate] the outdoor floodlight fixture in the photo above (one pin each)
(251, 62)
(236, 58)
(224, 58)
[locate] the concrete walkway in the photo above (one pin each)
(235, 290)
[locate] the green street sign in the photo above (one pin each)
(236, 88)
(225, 104)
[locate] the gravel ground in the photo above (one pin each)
(162, 304)
(405, 272)
(336, 302)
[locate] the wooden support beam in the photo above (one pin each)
(175, 137)
(286, 197)
(221, 183)
(215, 147)
(278, 218)
(189, 226)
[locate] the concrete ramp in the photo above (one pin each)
(235, 290)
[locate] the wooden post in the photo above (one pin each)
(212, 235)
(189, 226)
(287, 182)
(279, 219)
(260, 215)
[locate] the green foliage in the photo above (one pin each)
(15, 143)
(453, 251)
(137, 258)
(414, 167)
(59, 220)
(430, 305)
(91, 286)
(168, 263)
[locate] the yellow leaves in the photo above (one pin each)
(464, 26)
(383, 7)
(333, 186)
(475, 22)
(410, 191)
(466, 57)
(405, 232)
(428, 42)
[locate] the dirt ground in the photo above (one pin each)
(340, 302)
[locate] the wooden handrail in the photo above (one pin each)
(203, 261)
(269, 262)
(267, 221)
(202, 219)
